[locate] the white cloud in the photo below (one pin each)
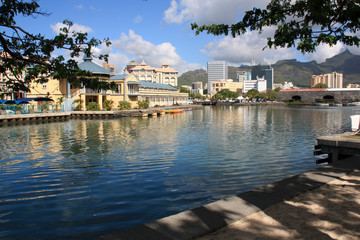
(80, 6)
(324, 51)
(138, 49)
(138, 19)
(247, 48)
(209, 11)
(75, 27)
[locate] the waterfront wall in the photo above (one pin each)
(310, 95)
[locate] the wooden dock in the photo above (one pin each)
(337, 147)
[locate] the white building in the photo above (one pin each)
(258, 84)
(197, 87)
(216, 70)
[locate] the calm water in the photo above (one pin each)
(82, 178)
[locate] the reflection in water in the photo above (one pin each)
(81, 178)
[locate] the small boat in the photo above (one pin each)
(321, 104)
(187, 109)
(174, 111)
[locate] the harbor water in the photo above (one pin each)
(79, 179)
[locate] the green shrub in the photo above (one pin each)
(124, 105)
(143, 104)
(79, 102)
(93, 106)
(108, 104)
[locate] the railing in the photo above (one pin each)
(115, 93)
(91, 91)
(133, 92)
(27, 109)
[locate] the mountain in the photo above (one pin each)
(300, 72)
(189, 77)
(297, 72)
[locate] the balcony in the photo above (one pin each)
(91, 91)
(133, 93)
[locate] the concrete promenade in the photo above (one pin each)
(319, 204)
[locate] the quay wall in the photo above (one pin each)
(311, 95)
(43, 117)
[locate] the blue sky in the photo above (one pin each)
(159, 30)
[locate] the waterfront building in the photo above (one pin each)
(146, 73)
(217, 86)
(259, 84)
(159, 94)
(216, 70)
(332, 80)
(264, 71)
(128, 88)
(8, 76)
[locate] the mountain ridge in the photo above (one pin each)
(294, 71)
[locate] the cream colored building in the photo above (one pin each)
(146, 73)
(4, 77)
(332, 80)
(217, 86)
(159, 94)
(128, 88)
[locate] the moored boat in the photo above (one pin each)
(174, 110)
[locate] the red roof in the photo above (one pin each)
(305, 90)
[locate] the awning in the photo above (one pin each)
(38, 99)
(25, 100)
(7, 102)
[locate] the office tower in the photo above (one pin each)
(216, 70)
(263, 71)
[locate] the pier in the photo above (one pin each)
(337, 147)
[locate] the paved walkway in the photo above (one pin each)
(331, 211)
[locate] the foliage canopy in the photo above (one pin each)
(303, 23)
(320, 85)
(21, 50)
(226, 94)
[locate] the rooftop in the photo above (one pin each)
(157, 85)
(88, 65)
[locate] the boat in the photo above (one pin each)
(321, 104)
(174, 111)
(187, 109)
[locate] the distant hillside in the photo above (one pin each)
(293, 71)
(189, 77)
(300, 73)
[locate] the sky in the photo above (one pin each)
(158, 31)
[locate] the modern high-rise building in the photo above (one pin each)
(216, 70)
(264, 71)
